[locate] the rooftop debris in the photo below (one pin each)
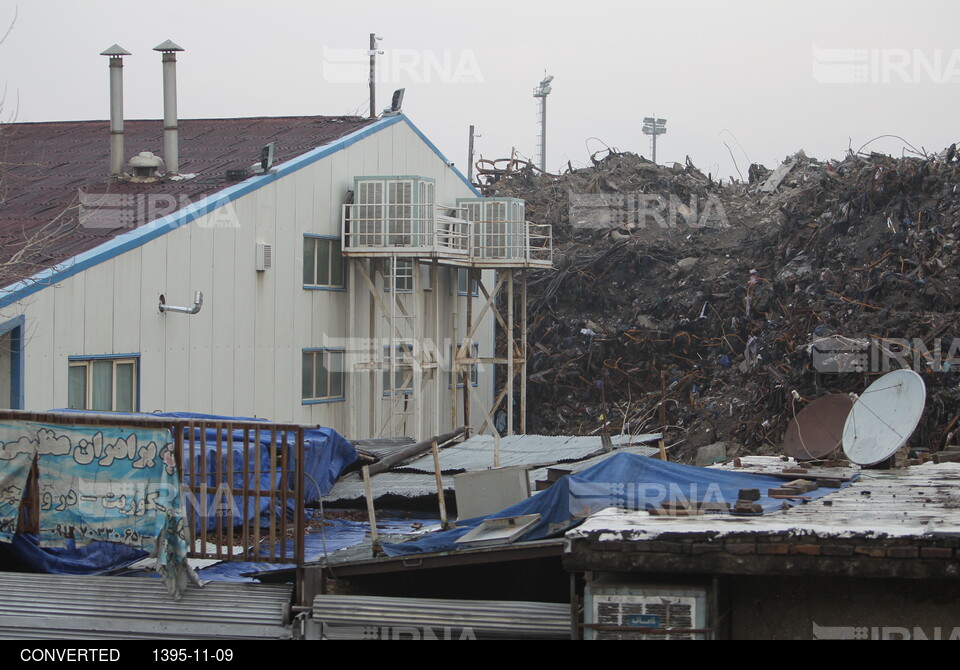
(720, 300)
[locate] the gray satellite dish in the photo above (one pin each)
(818, 429)
(883, 417)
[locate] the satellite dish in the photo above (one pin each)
(266, 157)
(817, 431)
(884, 417)
(265, 164)
(397, 102)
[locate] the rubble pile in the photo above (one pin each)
(721, 310)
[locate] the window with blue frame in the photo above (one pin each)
(474, 368)
(323, 266)
(11, 363)
(403, 373)
(104, 383)
(323, 375)
(462, 274)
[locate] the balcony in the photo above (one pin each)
(443, 233)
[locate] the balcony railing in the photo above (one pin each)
(418, 230)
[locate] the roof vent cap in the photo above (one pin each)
(146, 164)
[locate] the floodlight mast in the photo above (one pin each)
(542, 91)
(653, 126)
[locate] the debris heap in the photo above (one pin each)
(721, 310)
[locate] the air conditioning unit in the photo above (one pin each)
(618, 610)
(498, 226)
(264, 256)
(393, 211)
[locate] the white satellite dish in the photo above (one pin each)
(884, 417)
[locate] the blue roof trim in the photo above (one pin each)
(150, 231)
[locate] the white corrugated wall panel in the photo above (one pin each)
(199, 391)
(244, 290)
(222, 308)
(153, 336)
(98, 323)
(178, 290)
(288, 279)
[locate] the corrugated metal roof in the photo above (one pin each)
(374, 617)
(921, 501)
(382, 447)
(476, 453)
(46, 165)
(416, 479)
(38, 606)
(386, 485)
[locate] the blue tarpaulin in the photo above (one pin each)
(326, 453)
(96, 558)
(338, 534)
(623, 481)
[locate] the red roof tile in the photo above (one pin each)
(45, 169)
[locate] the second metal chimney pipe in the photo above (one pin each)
(116, 54)
(171, 149)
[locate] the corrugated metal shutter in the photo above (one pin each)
(37, 606)
(373, 617)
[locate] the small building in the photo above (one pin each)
(875, 560)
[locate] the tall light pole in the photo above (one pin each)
(542, 91)
(373, 73)
(653, 127)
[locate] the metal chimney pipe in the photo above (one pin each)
(116, 54)
(171, 149)
(197, 304)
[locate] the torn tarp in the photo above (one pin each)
(623, 481)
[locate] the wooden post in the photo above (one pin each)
(371, 515)
(436, 470)
(663, 416)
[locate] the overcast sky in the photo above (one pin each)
(766, 78)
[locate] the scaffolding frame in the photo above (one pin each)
(403, 330)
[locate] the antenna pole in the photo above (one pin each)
(470, 158)
(373, 75)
